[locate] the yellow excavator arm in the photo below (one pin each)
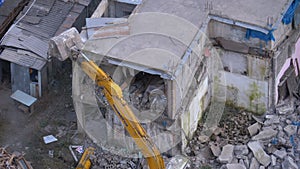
(114, 96)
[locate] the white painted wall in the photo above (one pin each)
(245, 88)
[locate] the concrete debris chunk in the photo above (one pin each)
(254, 164)
(267, 133)
(241, 150)
(273, 119)
(235, 166)
(258, 119)
(280, 153)
(273, 159)
(203, 139)
(290, 129)
(216, 150)
(254, 128)
(285, 109)
(226, 154)
(289, 163)
(259, 153)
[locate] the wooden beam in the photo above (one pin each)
(100, 9)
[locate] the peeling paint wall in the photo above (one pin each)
(246, 80)
(248, 93)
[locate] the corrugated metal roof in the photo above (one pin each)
(24, 58)
(31, 36)
(19, 40)
(36, 45)
(51, 22)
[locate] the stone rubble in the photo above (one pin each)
(226, 154)
(254, 129)
(247, 141)
(259, 153)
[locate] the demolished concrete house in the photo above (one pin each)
(25, 45)
(164, 42)
(148, 58)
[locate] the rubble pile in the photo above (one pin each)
(147, 93)
(247, 141)
(105, 160)
(13, 161)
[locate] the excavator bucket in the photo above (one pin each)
(60, 46)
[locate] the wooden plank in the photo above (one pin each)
(100, 9)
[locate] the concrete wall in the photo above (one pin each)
(246, 80)
(195, 110)
(233, 37)
(248, 93)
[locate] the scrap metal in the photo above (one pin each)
(13, 161)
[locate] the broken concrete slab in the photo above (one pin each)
(254, 164)
(259, 153)
(241, 150)
(267, 133)
(254, 128)
(235, 166)
(280, 153)
(273, 160)
(216, 150)
(226, 154)
(289, 163)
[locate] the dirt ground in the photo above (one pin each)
(54, 114)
